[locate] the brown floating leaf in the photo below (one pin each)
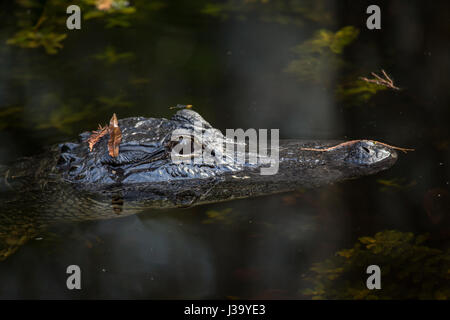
(96, 135)
(115, 137)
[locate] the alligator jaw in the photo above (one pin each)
(299, 168)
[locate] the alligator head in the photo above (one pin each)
(147, 153)
(73, 183)
(146, 165)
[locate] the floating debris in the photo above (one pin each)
(115, 136)
(387, 82)
(96, 135)
(348, 143)
(181, 106)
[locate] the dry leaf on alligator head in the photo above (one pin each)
(96, 135)
(115, 137)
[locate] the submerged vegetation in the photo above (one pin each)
(44, 25)
(409, 270)
(319, 58)
(32, 38)
(219, 216)
(395, 183)
(357, 92)
(110, 56)
(137, 58)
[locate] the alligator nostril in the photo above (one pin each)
(366, 149)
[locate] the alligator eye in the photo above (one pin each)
(186, 145)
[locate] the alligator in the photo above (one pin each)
(71, 182)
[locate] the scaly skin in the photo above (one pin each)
(70, 183)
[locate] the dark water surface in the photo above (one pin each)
(242, 64)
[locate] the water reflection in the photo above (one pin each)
(241, 64)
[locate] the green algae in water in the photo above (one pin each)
(41, 25)
(111, 56)
(30, 38)
(357, 92)
(319, 57)
(409, 270)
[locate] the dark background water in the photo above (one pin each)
(231, 60)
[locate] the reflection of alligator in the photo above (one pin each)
(71, 183)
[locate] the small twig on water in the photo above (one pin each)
(347, 143)
(387, 82)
